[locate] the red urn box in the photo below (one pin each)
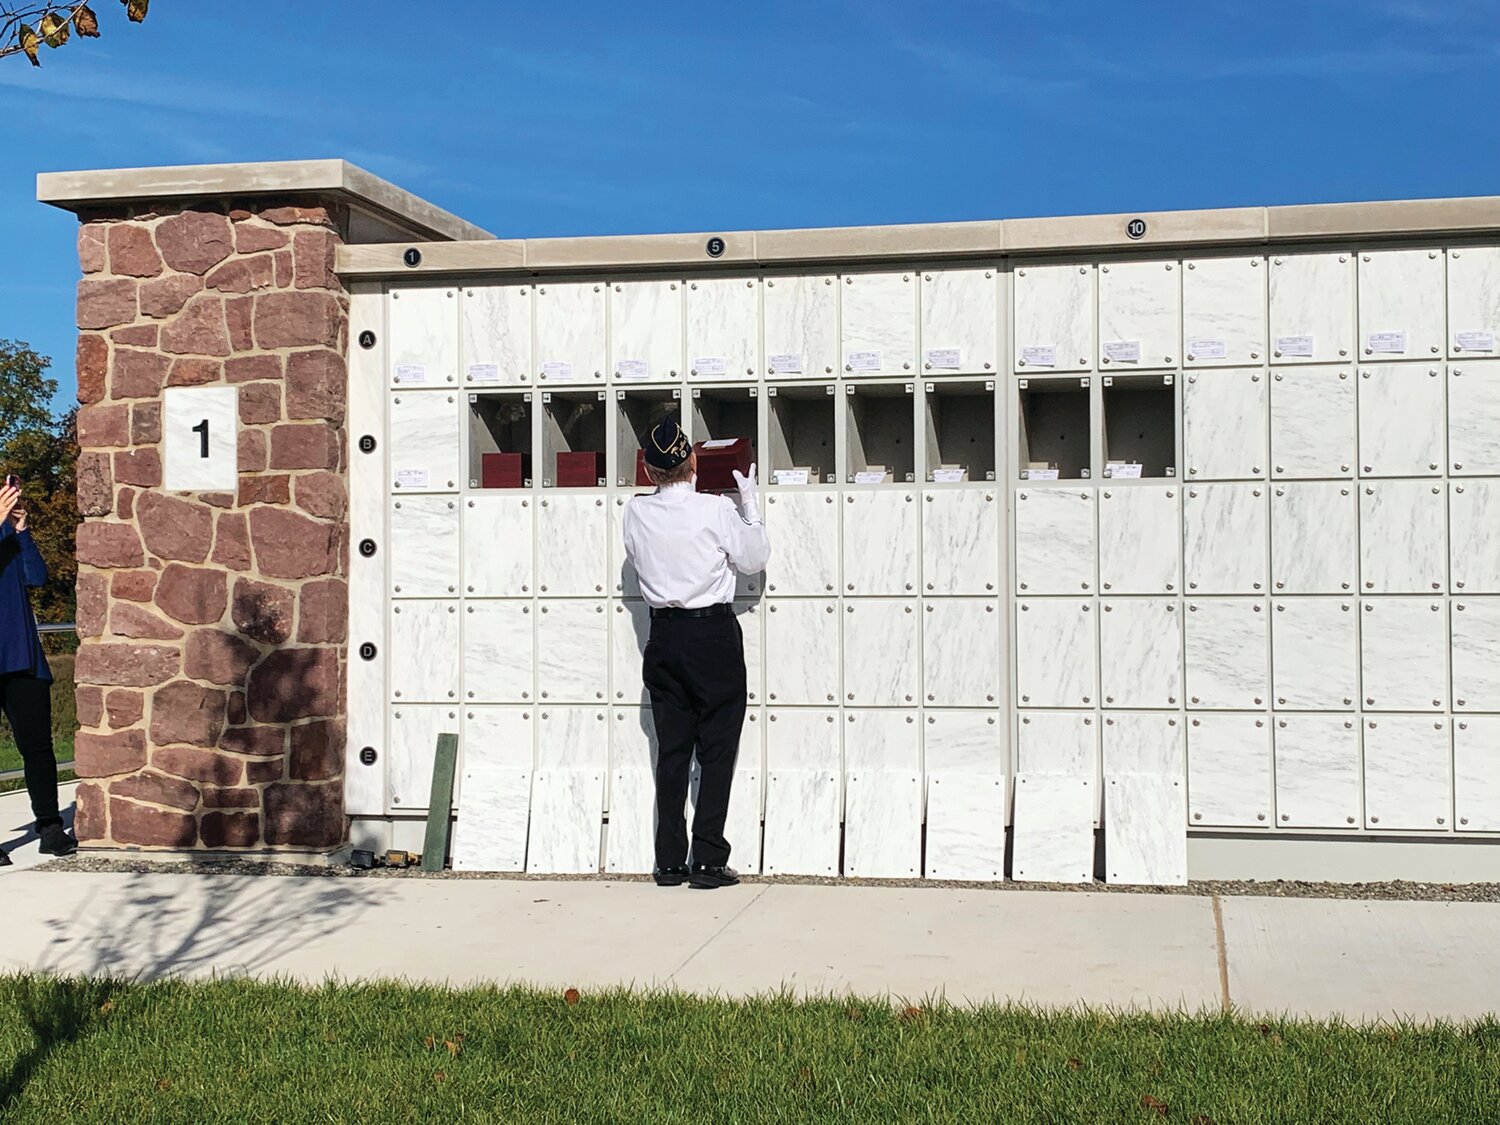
(718, 461)
(642, 480)
(580, 470)
(504, 470)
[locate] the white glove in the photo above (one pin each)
(749, 501)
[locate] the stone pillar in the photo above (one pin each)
(213, 626)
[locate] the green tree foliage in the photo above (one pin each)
(26, 28)
(43, 451)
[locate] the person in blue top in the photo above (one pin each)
(25, 679)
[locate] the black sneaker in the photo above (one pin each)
(56, 841)
(673, 876)
(706, 878)
(5, 860)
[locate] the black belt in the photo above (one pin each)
(723, 609)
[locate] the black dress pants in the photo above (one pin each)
(27, 703)
(694, 671)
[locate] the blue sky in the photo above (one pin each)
(595, 118)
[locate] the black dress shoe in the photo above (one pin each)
(706, 878)
(673, 876)
(56, 841)
(5, 860)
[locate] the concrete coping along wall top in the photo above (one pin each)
(389, 211)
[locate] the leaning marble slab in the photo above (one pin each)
(629, 840)
(1145, 829)
(566, 815)
(965, 826)
(802, 822)
(883, 824)
(1054, 829)
(491, 831)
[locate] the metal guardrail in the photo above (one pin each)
(63, 627)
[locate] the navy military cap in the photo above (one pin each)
(667, 446)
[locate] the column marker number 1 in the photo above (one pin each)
(201, 429)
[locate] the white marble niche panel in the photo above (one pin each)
(567, 795)
(1312, 308)
(1401, 420)
(1476, 654)
(414, 733)
(965, 742)
(1401, 304)
(804, 802)
(882, 795)
(1140, 540)
(622, 576)
(1315, 654)
(1056, 652)
(805, 530)
(1474, 419)
(498, 543)
(1144, 742)
(961, 652)
(645, 331)
(1224, 311)
(1314, 427)
(630, 838)
(424, 547)
(751, 615)
(492, 822)
(802, 651)
(572, 651)
(570, 323)
(1056, 540)
(1227, 647)
(424, 441)
(499, 652)
(572, 546)
(1058, 742)
(1317, 771)
(1224, 424)
(1403, 654)
(1145, 837)
(879, 318)
(1140, 313)
(1054, 318)
(1408, 773)
(882, 653)
(1476, 773)
(960, 541)
(960, 322)
(1403, 537)
(1229, 771)
(1474, 536)
(423, 328)
(800, 322)
(1140, 652)
(1053, 840)
(629, 629)
(1473, 301)
(881, 535)
(723, 328)
(965, 826)
(494, 334)
(1224, 533)
(1314, 537)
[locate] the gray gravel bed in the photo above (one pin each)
(1397, 890)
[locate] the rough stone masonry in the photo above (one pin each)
(212, 626)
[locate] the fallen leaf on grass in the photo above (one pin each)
(440, 1077)
(163, 1083)
(328, 1037)
(571, 996)
(1148, 1102)
(1264, 1029)
(429, 1042)
(911, 1015)
(1075, 1064)
(455, 1045)
(106, 1007)
(855, 1014)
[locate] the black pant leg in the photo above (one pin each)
(27, 702)
(674, 714)
(718, 674)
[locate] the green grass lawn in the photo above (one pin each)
(236, 1051)
(64, 716)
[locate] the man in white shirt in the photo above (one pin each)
(685, 547)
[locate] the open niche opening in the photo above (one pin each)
(881, 433)
(500, 440)
(573, 439)
(1054, 417)
(961, 430)
(802, 434)
(1140, 426)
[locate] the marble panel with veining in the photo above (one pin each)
(1141, 302)
(1476, 654)
(1145, 830)
(1476, 773)
(1314, 537)
(959, 311)
(1224, 424)
(1474, 418)
(1408, 773)
(1317, 771)
(572, 651)
(1224, 306)
(570, 330)
(882, 652)
(1053, 838)
(800, 318)
(1313, 295)
(424, 446)
(881, 542)
(1140, 549)
(1402, 419)
(804, 531)
(1056, 540)
(1056, 652)
(414, 730)
(1314, 423)
(1144, 742)
(572, 553)
(645, 330)
(424, 651)
(1474, 536)
(1403, 654)
(1140, 652)
(961, 532)
(1227, 653)
(964, 742)
(966, 814)
(1229, 771)
(802, 651)
(1224, 535)
(499, 540)
(494, 332)
(424, 547)
(1403, 291)
(422, 328)
(1403, 537)
(566, 818)
(801, 835)
(1315, 654)
(883, 823)
(723, 328)
(1054, 308)
(961, 652)
(499, 652)
(879, 315)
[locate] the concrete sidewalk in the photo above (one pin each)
(1359, 959)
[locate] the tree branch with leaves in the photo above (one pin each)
(26, 28)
